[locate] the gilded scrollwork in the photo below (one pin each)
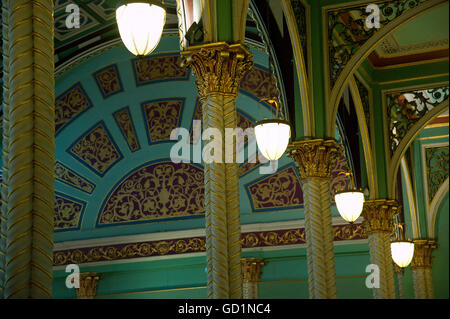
(96, 150)
(70, 177)
(406, 108)
(271, 238)
(70, 104)
(157, 191)
(125, 123)
(108, 80)
(347, 30)
(436, 167)
(68, 212)
(162, 116)
(162, 68)
(259, 83)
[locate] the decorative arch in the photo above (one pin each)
(394, 162)
(411, 199)
(305, 93)
(363, 52)
(434, 207)
(367, 145)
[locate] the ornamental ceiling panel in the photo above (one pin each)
(155, 192)
(125, 123)
(259, 84)
(96, 149)
(68, 212)
(161, 117)
(68, 176)
(108, 80)
(436, 161)
(159, 68)
(69, 105)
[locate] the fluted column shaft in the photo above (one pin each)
(30, 181)
(219, 68)
(251, 273)
(315, 159)
(5, 149)
(378, 221)
(421, 266)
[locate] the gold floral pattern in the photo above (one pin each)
(108, 80)
(259, 83)
(68, 176)
(96, 150)
(195, 244)
(162, 68)
(123, 120)
(69, 105)
(157, 191)
(281, 190)
(68, 212)
(162, 116)
(437, 168)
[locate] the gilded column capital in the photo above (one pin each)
(378, 215)
(88, 285)
(251, 269)
(314, 157)
(219, 67)
(423, 250)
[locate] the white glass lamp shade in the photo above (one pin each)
(141, 24)
(402, 252)
(349, 204)
(272, 137)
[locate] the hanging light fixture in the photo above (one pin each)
(272, 136)
(349, 202)
(141, 23)
(402, 250)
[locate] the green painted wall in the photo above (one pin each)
(441, 258)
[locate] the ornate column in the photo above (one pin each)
(88, 285)
(219, 68)
(399, 274)
(421, 268)
(29, 250)
(378, 221)
(5, 129)
(251, 273)
(314, 159)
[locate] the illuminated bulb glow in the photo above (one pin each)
(140, 26)
(402, 252)
(272, 137)
(349, 204)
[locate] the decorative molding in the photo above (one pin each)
(167, 247)
(251, 269)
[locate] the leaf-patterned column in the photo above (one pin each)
(29, 249)
(421, 267)
(219, 68)
(315, 159)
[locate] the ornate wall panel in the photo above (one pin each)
(126, 126)
(301, 18)
(159, 68)
(436, 161)
(68, 212)
(259, 84)
(161, 117)
(166, 247)
(96, 149)
(69, 105)
(281, 190)
(405, 108)
(70, 177)
(347, 30)
(108, 80)
(155, 192)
